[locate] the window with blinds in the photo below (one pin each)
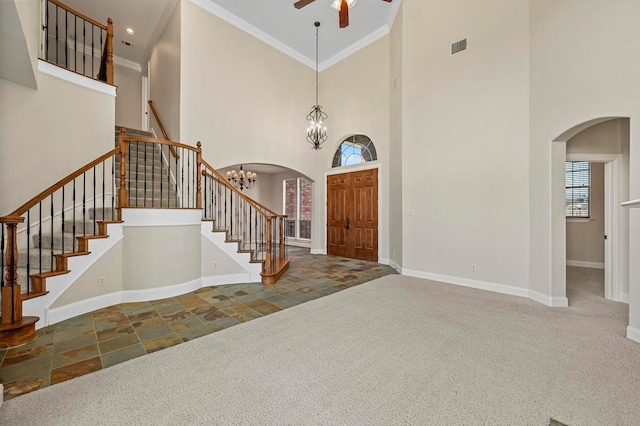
(578, 189)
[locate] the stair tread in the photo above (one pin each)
(24, 321)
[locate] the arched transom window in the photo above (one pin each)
(355, 149)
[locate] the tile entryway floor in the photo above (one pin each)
(102, 338)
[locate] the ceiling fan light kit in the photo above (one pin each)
(342, 6)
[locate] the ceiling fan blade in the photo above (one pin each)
(344, 14)
(302, 3)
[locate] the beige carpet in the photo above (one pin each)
(396, 350)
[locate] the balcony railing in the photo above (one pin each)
(76, 42)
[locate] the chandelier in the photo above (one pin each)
(317, 131)
(241, 179)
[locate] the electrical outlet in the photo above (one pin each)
(473, 267)
(102, 281)
(215, 265)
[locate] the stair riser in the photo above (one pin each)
(35, 261)
(106, 213)
(57, 241)
(81, 227)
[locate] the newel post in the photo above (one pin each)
(109, 46)
(199, 175)
(282, 237)
(267, 263)
(11, 306)
(122, 191)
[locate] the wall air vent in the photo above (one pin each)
(458, 46)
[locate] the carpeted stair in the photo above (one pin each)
(149, 185)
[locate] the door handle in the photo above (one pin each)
(348, 225)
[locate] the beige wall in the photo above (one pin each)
(48, 133)
(395, 141)
(164, 78)
(129, 100)
(160, 256)
(108, 266)
(19, 39)
(217, 262)
(581, 70)
(465, 140)
(585, 237)
(602, 138)
(356, 96)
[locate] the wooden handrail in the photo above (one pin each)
(75, 12)
(226, 183)
(164, 132)
(53, 188)
(159, 141)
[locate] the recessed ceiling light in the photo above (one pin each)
(130, 31)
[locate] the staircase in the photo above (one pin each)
(37, 240)
(151, 183)
(149, 178)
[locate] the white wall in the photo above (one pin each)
(129, 100)
(585, 242)
(465, 134)
(44, 136)
(581, 69)
(164, 78)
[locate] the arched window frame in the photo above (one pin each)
(356, 149)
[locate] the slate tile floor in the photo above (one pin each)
(108, 336)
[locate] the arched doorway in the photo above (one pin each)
(616, 177)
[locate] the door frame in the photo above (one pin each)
(612, 250)
(350, 169)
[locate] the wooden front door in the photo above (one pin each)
(352, 215)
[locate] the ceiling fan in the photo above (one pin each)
(341, 5)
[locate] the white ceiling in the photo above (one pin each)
(275, 22)
(291, 30)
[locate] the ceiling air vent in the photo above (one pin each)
(127, 43)
(458, 46)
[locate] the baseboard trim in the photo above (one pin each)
(465, 282)
(624, 298)
(318, 251)
(581, 264)
(226, 279)
(56, 315)
(633, 334)
(553, 302)
(395, 266)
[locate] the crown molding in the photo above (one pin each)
(237, 22)
(243, 25)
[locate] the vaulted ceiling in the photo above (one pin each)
(276, 22)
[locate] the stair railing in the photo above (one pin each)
(76, 42)
(59, 222)
(162, 130)
(257, 229)
(152, 180)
